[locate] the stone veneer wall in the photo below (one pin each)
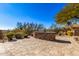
(1, 36)
(76, 32)
(45, 35)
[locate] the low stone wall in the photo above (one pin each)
(1, 36)
(76, 32)
(45, 35)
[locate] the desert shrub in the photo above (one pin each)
(25, 36)
(19, 35)
(10, 35)
(69, 33)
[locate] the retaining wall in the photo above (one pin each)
(45, 35)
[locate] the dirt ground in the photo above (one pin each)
(63, 46)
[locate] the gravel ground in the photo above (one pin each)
(37, 47)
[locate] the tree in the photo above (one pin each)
(24, 25)
(34, 27)
(53, 26)
(40, 27)
(69, 12)
(29, 27)
(19, 25)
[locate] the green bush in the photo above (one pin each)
(10, 35)
(19, 35)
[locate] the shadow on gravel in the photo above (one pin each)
(62, 41)
(12, 40)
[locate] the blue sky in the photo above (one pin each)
(43, 13)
